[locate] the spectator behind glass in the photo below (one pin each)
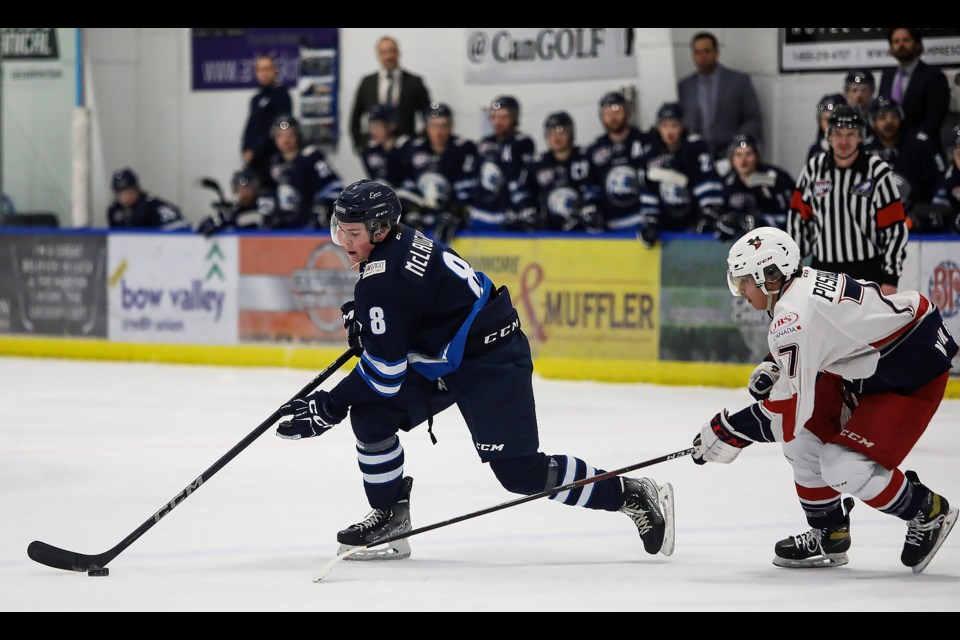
(306, 183)
(948, 193)
(134, 208)
(504, 156)
(439, 178)
(383, 156)
(755, 194)
(718, 102)
(616, 159)
(921, 90)
(557, 183)
(271, 101)
(825, 107)
(252, 205)
(917, 165)
(681, 184)
(393, 86)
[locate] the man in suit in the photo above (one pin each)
(921, 90)
(393, 86)
(719, 102)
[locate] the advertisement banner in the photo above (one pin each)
(291, 289)
(172, 288)
(595, 299)
(53, 284)
(940, 278)
(845, 48)
(523, 54)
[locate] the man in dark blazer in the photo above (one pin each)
(391, 85)
(718, 102)
(924, 93)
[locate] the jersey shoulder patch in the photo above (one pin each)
(373, 268)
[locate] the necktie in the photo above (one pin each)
(390, 100)
(898, 85)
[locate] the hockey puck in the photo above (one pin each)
(99, 572)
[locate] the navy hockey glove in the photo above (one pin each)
(524, 219)
(592, 218)
(649, 233)
(709, 216)
(212, 224)
(718, 442)
(762, 380)
(312, 416)
(732, 225)
(352, 325)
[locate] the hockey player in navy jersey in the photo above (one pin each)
(755, 193)
(306, 183)
(504, 156)
(680, 179)
(134, 208)
(435, 333)
(615, 162)
(858, 377)
(439, 177)
(383, 156)
(947, 194)
(557, 183)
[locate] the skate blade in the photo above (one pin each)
(948, 521)
(819, 562)
(398, 550)
(666, 507)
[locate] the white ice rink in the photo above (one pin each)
(89, 451)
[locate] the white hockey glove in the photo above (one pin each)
(718, 442)
(762, 379)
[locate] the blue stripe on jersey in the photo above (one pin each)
(383, 377)
(452, 353)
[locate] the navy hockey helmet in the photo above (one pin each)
(439, 110)
(284, 122)
(830, 102)
(847, 117)
(883, 104)
(612, 98)
(509, 103)
(859, 76)
(124, 179)
(559, 120)
(244, 177)
(742, 141)
(383, 113)
(670, 111)
(374, 204)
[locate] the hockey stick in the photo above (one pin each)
(72, 561)
(506, 505)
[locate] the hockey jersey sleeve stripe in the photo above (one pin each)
(917, 317)
(387, 390)
(797, 203)
(386, 369)
(890, 214)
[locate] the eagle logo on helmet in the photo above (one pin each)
(755, 242)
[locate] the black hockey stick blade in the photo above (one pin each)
(512, 503)
(72, 561)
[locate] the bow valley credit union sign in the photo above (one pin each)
(521, 54)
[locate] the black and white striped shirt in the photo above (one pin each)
(849, 215)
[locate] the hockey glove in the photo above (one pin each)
(718, 442)
(212, 224)
(352, 325)
(762, 380)
(707, 223)
(592, 218)
(312, 416)
(524, 219)
(732, 225)
(649, 233)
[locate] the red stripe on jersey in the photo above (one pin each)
(917, 317)
(890, 214)
(816, 494)
(805, 210)
(788, 409)
(891, 491)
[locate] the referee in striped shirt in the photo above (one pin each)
(846, 210)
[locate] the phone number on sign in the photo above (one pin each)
(817, 56)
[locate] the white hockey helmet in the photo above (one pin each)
(765, 254)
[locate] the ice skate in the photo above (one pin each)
(378, 525)
(650, 506)
(818, 547)
(928, 529)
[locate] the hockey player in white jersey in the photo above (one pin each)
(855, 379)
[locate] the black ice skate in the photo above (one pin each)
(650, 506)
(818, 547)
(928, 529)
(378, 525)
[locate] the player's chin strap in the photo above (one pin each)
(770, 294)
